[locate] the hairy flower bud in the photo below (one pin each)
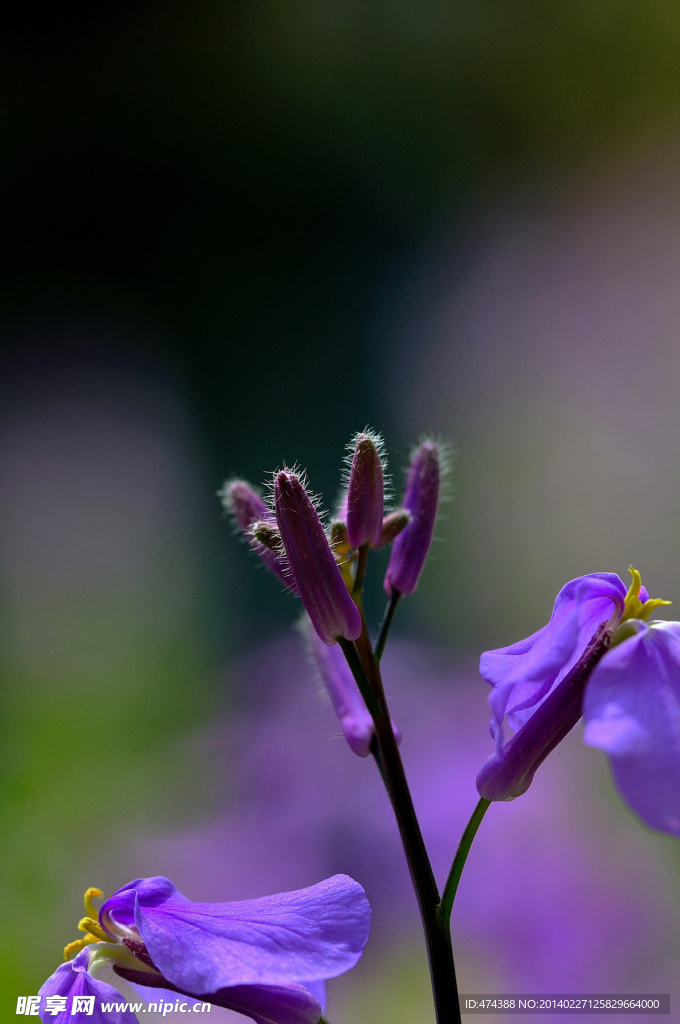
(365, 491)
(248, 508)
(392, 525)
(421, 498)
(267, 534)
(319, 582)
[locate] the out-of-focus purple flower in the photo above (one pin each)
(354, 717)
(319, 582)
(365, 490)
(253, 956)
(421, 498)
(247, 507)
(598, 657)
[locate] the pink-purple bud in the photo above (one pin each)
(248, 508)
(355, 720)
(421, 498)
(365, 492)
(319, 582)
(392, 525)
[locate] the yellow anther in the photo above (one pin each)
(75, 947)
(86, 924)
(90, 908)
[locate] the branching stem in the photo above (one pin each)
(386, 623)
(451, 887)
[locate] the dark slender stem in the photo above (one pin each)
(386, 623)
(365, 688)
(437, 932)
(451, 887)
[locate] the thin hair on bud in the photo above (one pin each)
(447, 456)
(298, 471)
(301, 474)
(379, 441)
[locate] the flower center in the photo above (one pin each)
(90, 925)
(633, 607)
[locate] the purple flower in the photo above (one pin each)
(355, 720)
(598, 656)
(365, 490)
(421, 499)
(319, 582)
(254, 956)
(247, 508)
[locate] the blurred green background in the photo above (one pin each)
(232, 235)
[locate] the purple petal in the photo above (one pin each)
(119, 909)
(525, 672)
(354, 717)
(510, 770)
(265, 1004)
(318, 578)
(72, 979)
(318, 990)
(421, 498)
(632, 711)
(271, 1004)
(314, 933)
(365, 492)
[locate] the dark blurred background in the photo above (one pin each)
(232, 235)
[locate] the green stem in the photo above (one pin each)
(386, 623)
(451, 887)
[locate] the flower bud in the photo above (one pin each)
(319, 582)
(247, 508)
(421, 498)
(338, 535)
(354, 717)
(267, 534)
(365, 491)
(392, 525)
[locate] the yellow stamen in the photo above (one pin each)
(75, 947)
(90, 908)
(632, 604)
(633, 607)
(86, 924)
(89, 924)
(650, 606)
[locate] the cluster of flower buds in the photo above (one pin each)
(319, 564)
(323, 565)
